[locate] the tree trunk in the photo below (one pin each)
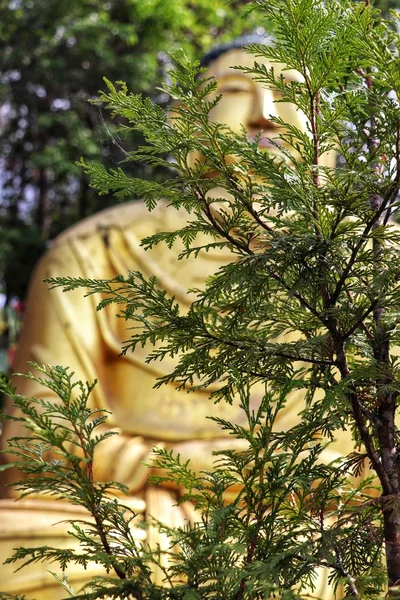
(391, 520)
(43, 209)
(83, 202)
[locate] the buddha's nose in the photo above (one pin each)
(263, 109)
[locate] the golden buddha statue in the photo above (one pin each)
(66, 329)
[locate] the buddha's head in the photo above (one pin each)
(246, 102)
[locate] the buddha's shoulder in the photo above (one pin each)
(129, 216)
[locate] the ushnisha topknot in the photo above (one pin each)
(239, 42)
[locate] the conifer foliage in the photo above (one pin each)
(309, 306)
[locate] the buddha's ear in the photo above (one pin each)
(329, 159)
(173, 114)
(173, 111)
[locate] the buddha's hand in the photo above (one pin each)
(201, 455)
(126, 459)
(123, 458)
(201, 452)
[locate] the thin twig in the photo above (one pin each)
(343, 572)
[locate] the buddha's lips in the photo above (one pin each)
(263, 141)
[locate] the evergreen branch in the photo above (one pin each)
(396, 182)
(297, 295)
(269, 351)
(353, 256)
(350, 580)
(235, 242)
(361, 322)
(129, 589)
(248, 203)
(93, 503)
(369, 445)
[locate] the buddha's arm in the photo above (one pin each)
(66, 329)
(62, 329)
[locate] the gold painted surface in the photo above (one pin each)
(66, 329)
(30, 523)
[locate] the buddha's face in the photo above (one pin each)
(248, 103)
